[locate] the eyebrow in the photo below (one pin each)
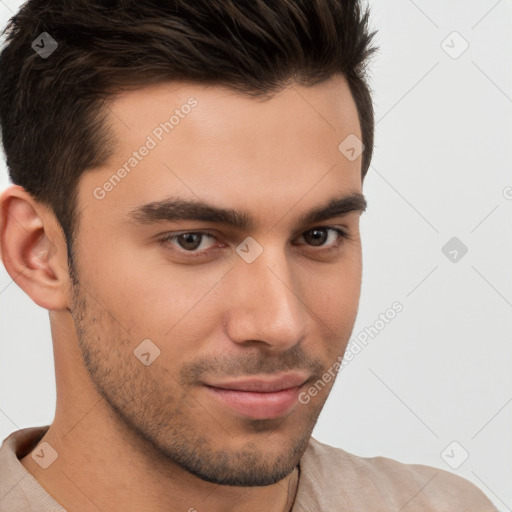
(175, 209)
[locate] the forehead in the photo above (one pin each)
(211, 143)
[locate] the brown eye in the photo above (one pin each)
(189, 241)
(324, 237)
(316, 237)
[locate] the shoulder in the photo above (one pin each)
(381, 483)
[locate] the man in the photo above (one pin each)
(188, 187)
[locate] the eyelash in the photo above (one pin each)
(342, 235)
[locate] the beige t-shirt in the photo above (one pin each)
(331, 480)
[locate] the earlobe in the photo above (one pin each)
(31, 249)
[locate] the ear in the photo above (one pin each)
(33, 249)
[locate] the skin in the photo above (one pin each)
(133, 437)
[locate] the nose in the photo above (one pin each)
(265, 305)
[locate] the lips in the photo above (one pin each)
(263, 384)
(259, 397)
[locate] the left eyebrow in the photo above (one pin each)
(337, 207)
(175, 209)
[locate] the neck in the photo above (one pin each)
(99, 468)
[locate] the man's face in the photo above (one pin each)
(187, 293)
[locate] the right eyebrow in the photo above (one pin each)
(173, 209)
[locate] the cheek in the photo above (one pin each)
(333, 301)
(157, 300)
(332, 292)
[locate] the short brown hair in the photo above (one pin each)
(51, 109)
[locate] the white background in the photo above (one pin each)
(441, 370)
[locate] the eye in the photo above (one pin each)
(192, 241)
(323, 237)
(200, 243)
